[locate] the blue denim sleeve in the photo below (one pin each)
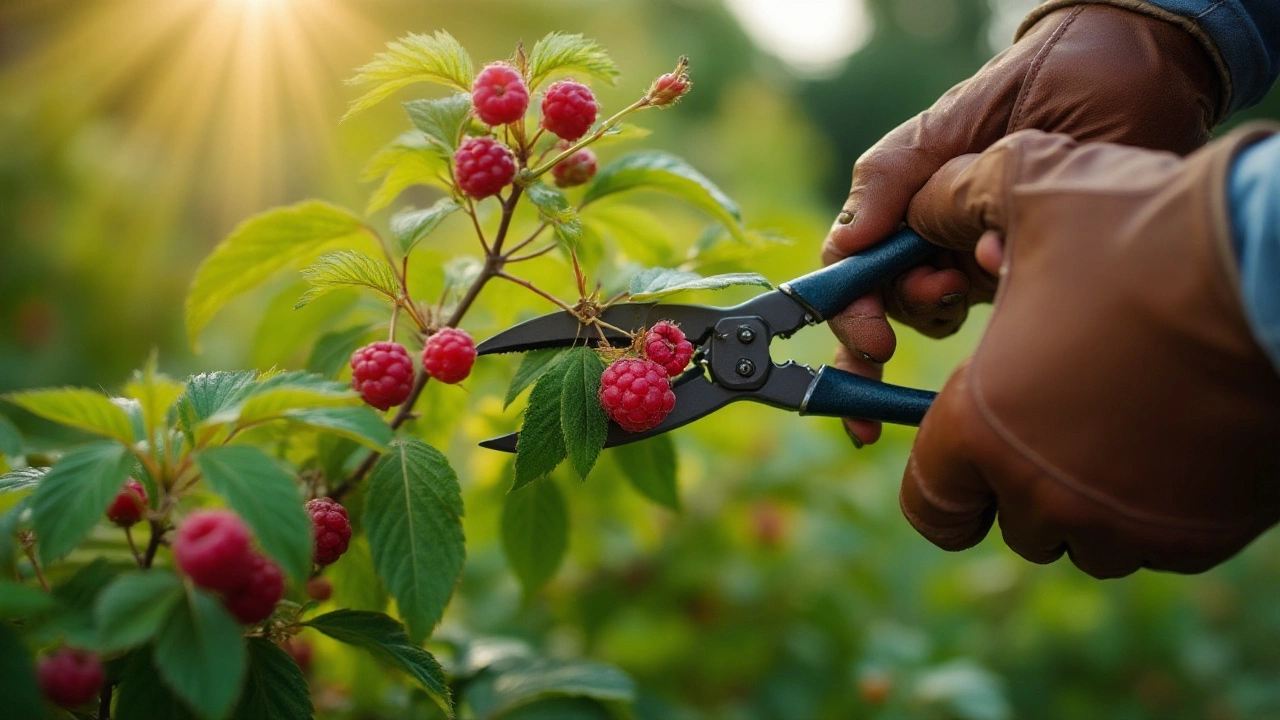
(1254, 195)
(1247, 33)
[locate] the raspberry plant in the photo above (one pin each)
(247, 489)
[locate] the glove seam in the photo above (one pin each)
(1033, 72)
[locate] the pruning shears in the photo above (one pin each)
(731, 358)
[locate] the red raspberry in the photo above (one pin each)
(212, 548)
(319, 589)
(569, 109)
(576, 169)
(449, 355)
(665, 345)
(382, 373)
(129, 505)
(499, 95)
(254, 600)
(70, 678)
(669, 88)
(636, 393)
(483, 167)
(330, 528)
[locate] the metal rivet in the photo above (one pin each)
(745, 368)
(745, 334)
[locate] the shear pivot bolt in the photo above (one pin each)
(745, 334)
(745, 368)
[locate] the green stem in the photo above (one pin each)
(605, 127)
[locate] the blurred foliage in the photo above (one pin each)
(788, 586)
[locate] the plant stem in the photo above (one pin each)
(157, 532)
(526, 284)
(605, 127)
(31, 556)
(104, 701)
(133, 547)
(536, 253)
(526, 241)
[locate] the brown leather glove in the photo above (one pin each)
(1118, 407)
(1094, 72)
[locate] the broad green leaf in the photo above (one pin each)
(650, 465)
(200, 654)
(409, 160)
(355, 582)
(133, 608)
(413, 518)
(535, 532)
(657, 283)
(637, 232)
(717, 246)
(553, 207)
(459, 273)
(155, 393)
(10, 438)
(141, 697)
(77, 408)
(511, 683)
(22, 479)
(262, 246)
(412, 59)
(441, 120)
(622, 132)
(531, 368)
(541, 445)
(386, 640)
(73, 621)
(654, 170)
(274, 396)
(361, 424)
(18, 685)
(9, 523)
(348, 268)
(274, 688)
(210, 393)
(74, 495)
(411, 226)
(265, 495)
(562, 708)
(332, 352)
(22, 601)
(565, 53)
(582, 418)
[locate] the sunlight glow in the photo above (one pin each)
(814, 37)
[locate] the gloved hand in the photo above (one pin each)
(1118, 407)
(1091, 71)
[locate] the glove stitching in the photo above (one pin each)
(1033, 72)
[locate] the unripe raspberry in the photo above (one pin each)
(499, 95)
(70, 678)
(253, 601)
(449, 355)
(330, 529)
(483, 167)
(382, 373)
(319, 588)
(576, 169)
(569, 109)
(669, 88)
(666, 345)
(130, 504)
(636, 393)
(212, 548)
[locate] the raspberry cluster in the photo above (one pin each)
(449, 355)
(636, 393)
(382, 373)
(569, 109)
(330, 528)
(483, 166)
(213, 548)
(129, 506)
(576, 169)
(70, 678)
(666, 345)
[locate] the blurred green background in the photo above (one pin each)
(134, 134)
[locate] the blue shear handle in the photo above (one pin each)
(834, 288)
(837, 393)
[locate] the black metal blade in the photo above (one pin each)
(562, 329)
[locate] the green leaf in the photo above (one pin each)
(553, 207)
(9, 522)
(582, 418)
(657, 283)
(265, 495)
(274, 688)
(74, 495)
(413, 518)
(22, 601)
(276, 395)
(23, 479)
(155, 393)
(77, 408)
(262, 246)
(654, 170)
(73, 620)
(650, 465)
(361, 424)
(411, 226)
(386, 640)
(531, 368)
(18, 684)
(208, 394)
(140, 697)
(518, 681)
(442, 120)
(561, 708)
(10, 438)
(535, 533)
(332, 352)
(355, 581)
(412, 59)
(348, 268)
(541, 445)
(459, 273)
(200, 654)
(565, 53)
(133, 608)
(407, 161)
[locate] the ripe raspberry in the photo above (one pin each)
(483, 167)
(382, 373)
(129, 505)
(449, 355)
(319, 589)
(636, 393)
(665, 344)
(499, 95)
(212, 548)
(576, 169)
(569, 109)
(330, 528)
(70, 678)
(254, 600)
(669, 88)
